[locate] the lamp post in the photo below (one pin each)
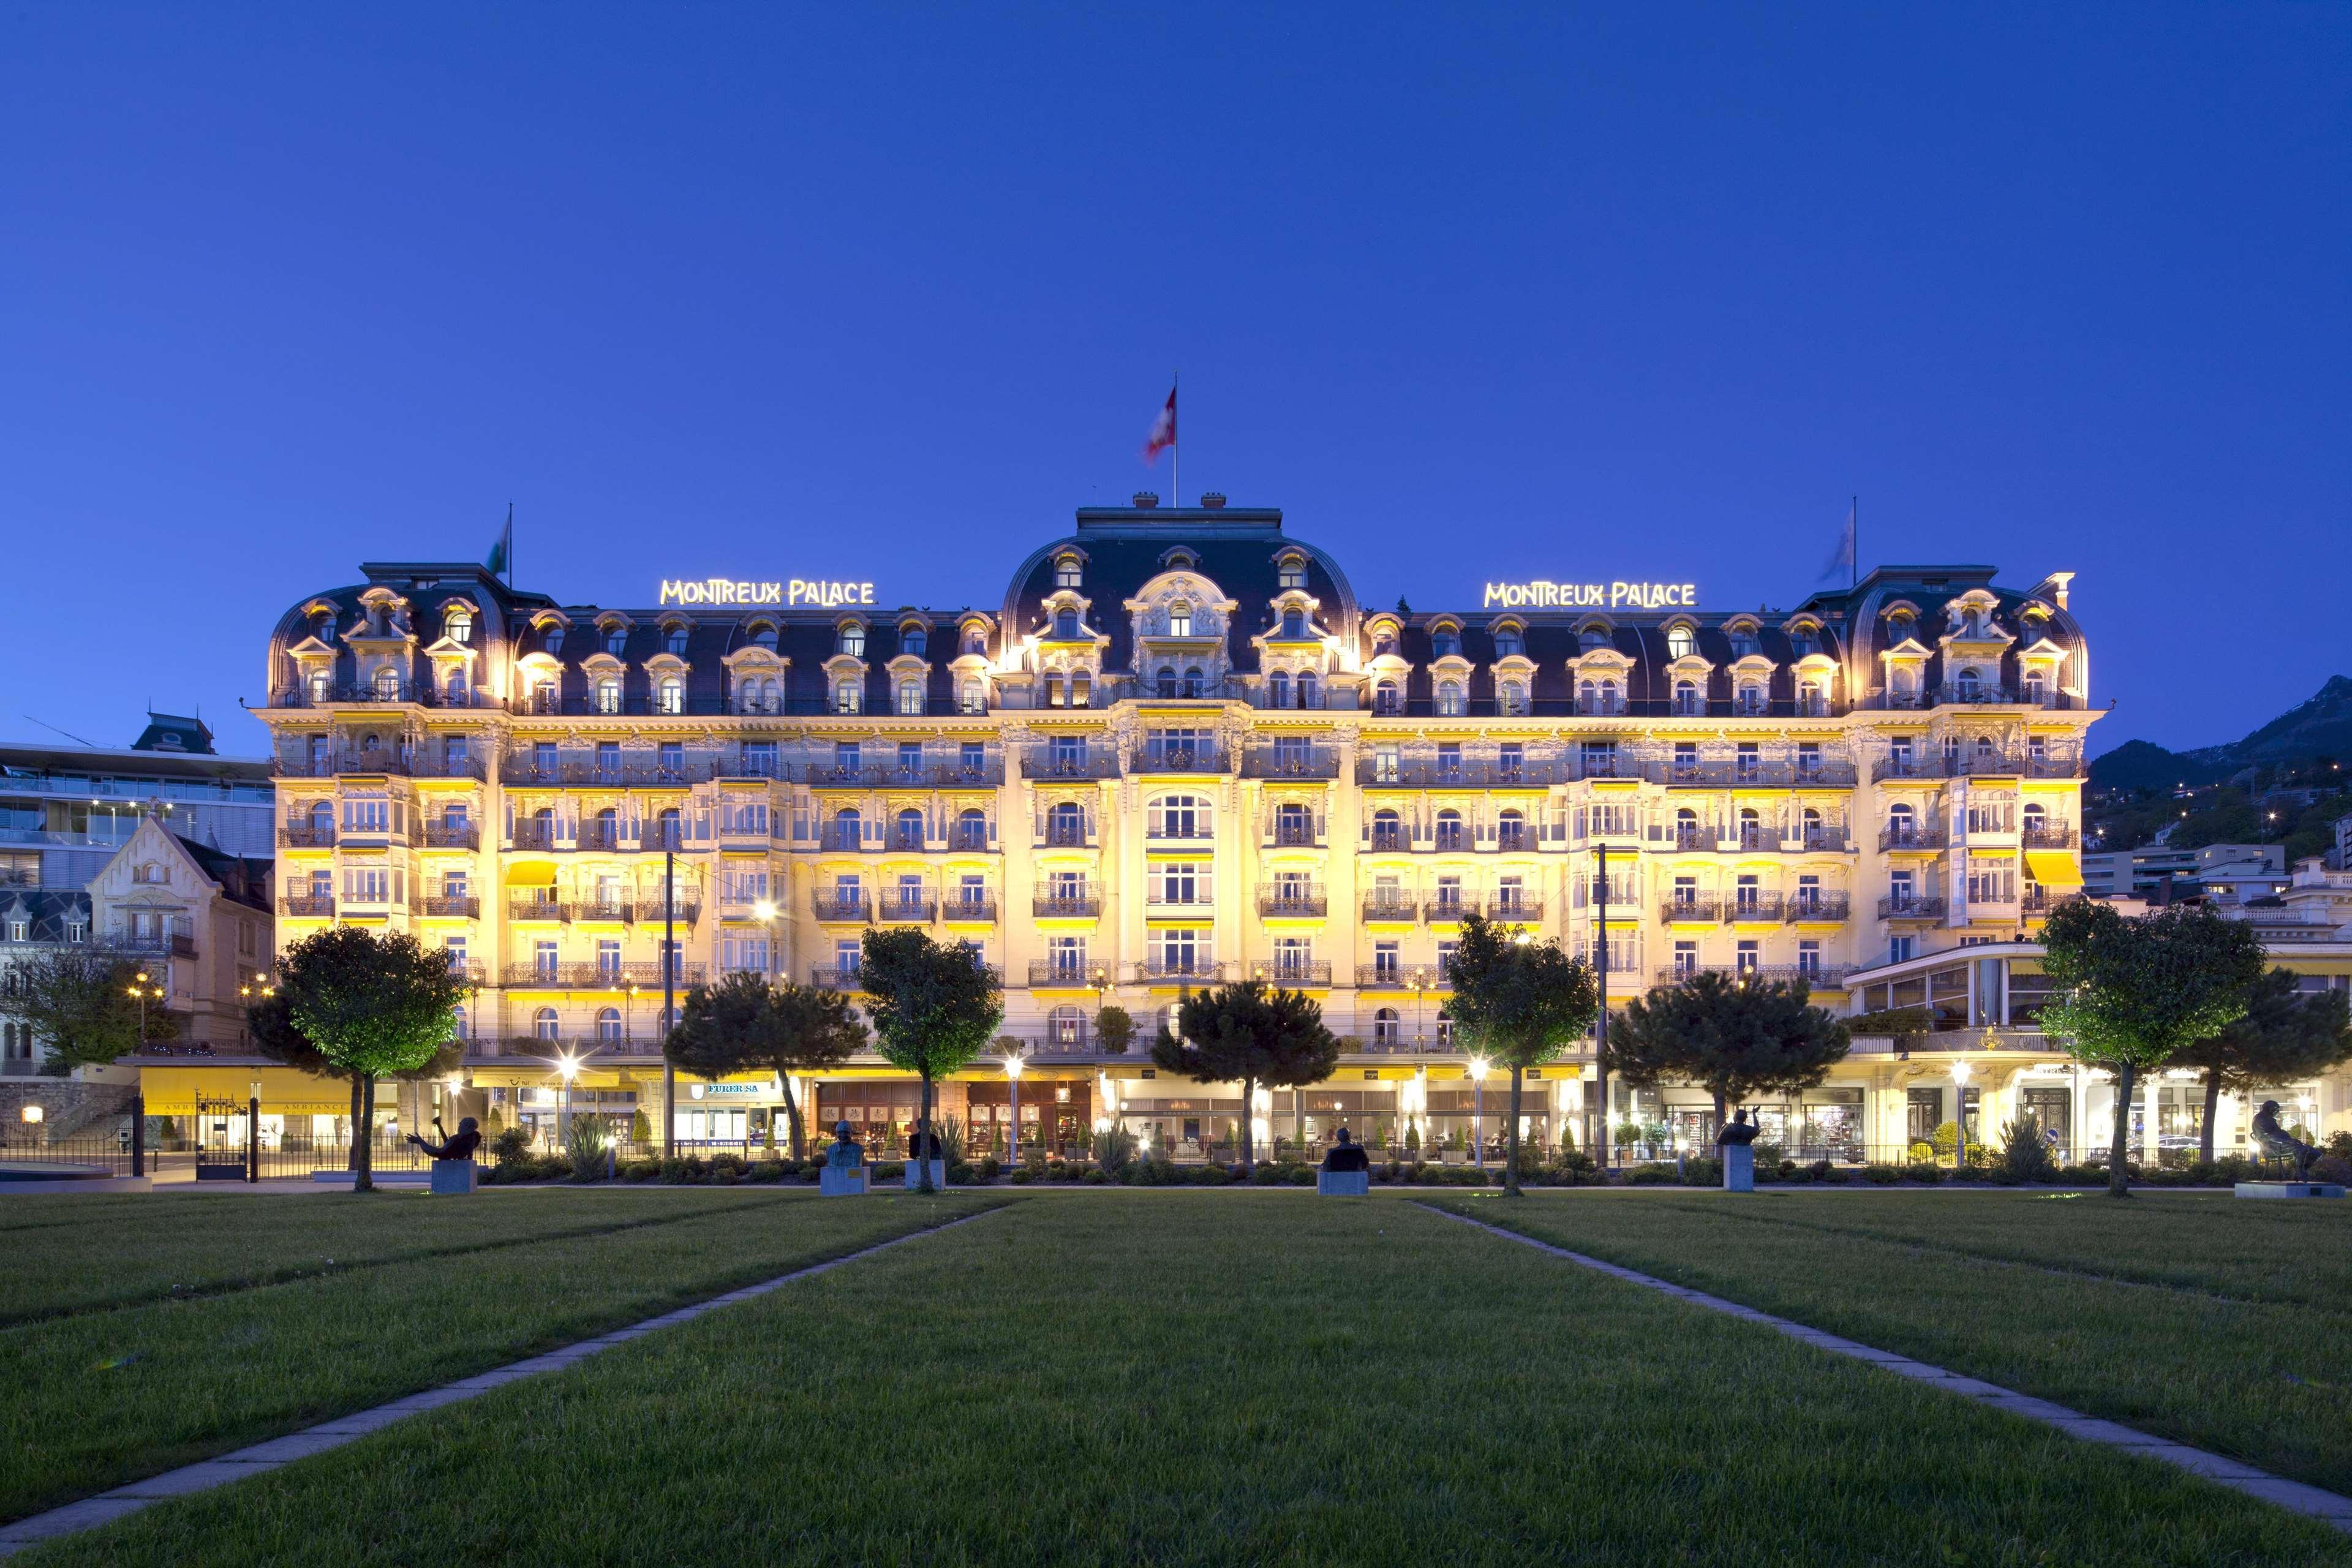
(1420, 1036)
(1015, 1065)
(567, 1067)
(142, 989)
(1960, 1073)
(1479, 1066)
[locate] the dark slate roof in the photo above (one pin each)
(173, 732)
(242, 879)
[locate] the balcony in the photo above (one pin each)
(903, 908)
(1092, 762)
(1825, 975)
(1904, 765)
(296, 836)
(1297, 832)
(2049, 835)
(1758, 910)
(833, 977)
(1817, 841)
(450, 836)
(1176, 829)
(460, 765)
(660, 835)
(1393, 909)
(527, 772)
(1515, 910)
(970, 838)
(604, 835)
(1691, 912)
(334, 764)
(527, 904)
(1828, 773)
(606, 910)
(1911, 908)
(969, 910)
(593, 976)
(1290, 763)
(1292, 973)
(1929, 837)
(1059, 974)
(841, 838)
(1083, 905)
(1821, 909)
(2043, 766)
(1064, 835)
(1165, 904)
(841, 904)
(1292, 901)
(1409, 977)
(308, 905)
(532, 836)
(1203, 758)
(1449, 907)
(450, 906)
(1177, 972)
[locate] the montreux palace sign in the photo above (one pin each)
(798, 591)
(1545, 594)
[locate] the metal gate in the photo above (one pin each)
(223, 1135)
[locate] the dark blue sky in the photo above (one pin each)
(886, 293)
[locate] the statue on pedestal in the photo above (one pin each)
(461, 1147)
(843, 1153)
(2277, 1144)
(1739, 1131)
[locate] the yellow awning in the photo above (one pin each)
(173, 1090)
(531, 874)
(2053, 868)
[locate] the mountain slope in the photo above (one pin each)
(2320, 726)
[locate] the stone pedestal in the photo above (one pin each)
(915, 1174)
(455, 1176)
(2289, 1190)
(1739, 1167)
(1343, 1184)
(842, 1182)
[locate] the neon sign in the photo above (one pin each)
(818, 592)
(1545, 594)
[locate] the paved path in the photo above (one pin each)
(279, 1452)
(2315, 1502)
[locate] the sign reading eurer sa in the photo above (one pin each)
(1545, 594)
(798, 591)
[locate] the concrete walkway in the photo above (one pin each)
(2315, 1501)
(280, 1452)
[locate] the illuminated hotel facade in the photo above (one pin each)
(1179, 751)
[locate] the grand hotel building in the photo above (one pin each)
(1179, 750)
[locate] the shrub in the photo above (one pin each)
(1925, 1173)
(1302, 1176)
(1649, 1174)
(1882, 1175)
(1701, 1171)
(589, 1147)
(1822, 1171)
(1095, 1176)
(639, 1170)
(889, 1171)
(2024, 1152)
(1210, 1176)
(960, 1175)
(991, 1167)
(1266, 1175)
(770, 1170)
(1023, 1175)
(2332, 1168)
(514, 1143)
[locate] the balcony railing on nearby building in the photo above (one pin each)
(528, 905)
(1056, 974)
(332, 765)
(1378, 771)
(303, 836)
(595, 976)
(450, 836)
(1515, 910)
(1828, 773)
(833, 977)
(1291, 973)
(1691, 912)
(1760, 908)
(1293, 831)
(450, 906)
(1290, 763)
(1929, 836)
(985, 774)
(1161, 972)
(961, 906)
(1082, 904)
(1393, 908)
(307, 904)
(1911, 908)
(523, 770)
(1407, 977)
(1292, 900)
(606, 836)
(1092, 763)
(531, 836)
(1448, 908)
(838, 904)
(2048, 835)
(1824, 908)
(449, 766)
(1817, 974)
(903, 907)
(1201, 758)
(606, 910)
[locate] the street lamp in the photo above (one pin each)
(567, 1067)
(141, 989)
(1479, 1066)
(1015, 1065)
(1960, 1072)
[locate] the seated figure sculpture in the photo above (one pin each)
(461, 1147)
(2277, 1144)
(843, 1154)
(1739, 1130)
(1345, 1154)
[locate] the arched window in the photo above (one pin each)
(1067, 1026)
(1743, 642)
(848, 695)
(616, 640)
(1680, 644)
(1449, 700)
(550, 640)
(1592, 637)
(1386, 698)
(670, 696)
(458, 1022)
(849, 829)
(1293, 626)
(1751, 829)
(1444, 643)
(1293, 824)
(973, 696)
(2036, 818)
(1066, 625)
(1686, 828)
(1195, 683)
(457, 687)
(910, 698)
(1508, 643)
(1902, 823)
(322, 817)
(1970, 685)
(1179, 816)
(771, 696)
(971, 830)
(2037, 687)
(1290, 571)
(1751, 698)
(1588, 696)
(1310, 690)
(543, 819)
(1167, 680)
(1686, 699)
(458, 626)
(1387, 1028)
(915, 642)
(608, 828)
(608, 694)
(1067, 571)
(387, 684)
(1179, 621)
(1609, 700)
(1387, 830)
(322, 685)
(909, 832)
(853, 640)
(1065, 824)
(544, 1024)
(1449, 829)
(1511, 831)
(1808, 699)
(1277, 689)
(1514, 697)
(672, 828)
(608, 1026)
(975, 638)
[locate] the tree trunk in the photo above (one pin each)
(923, 1137)
(2119, 1146)
(2205, 1125)
(793, 1116)
(1718, 1113)
(352, 1155)
(1511, 1145)
(364, 1138)
(1249, 1125)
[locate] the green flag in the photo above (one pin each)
(501, 557)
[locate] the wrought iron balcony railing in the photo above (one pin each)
(1911, 908)
(1292, 973)
(833, 904)
(1293, 901)
(1084, 905)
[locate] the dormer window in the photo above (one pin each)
(1179, 621)
(674, 641)
(1293, 625)
(550, 640)
(914, 642)
(1743, 642)
(1444, 642)
(1898, 627)
(1508, 644)
(1067, 571)
(458, 626)
(1066, 625)
(616, 638)
(1590, 639)
(763, 636)
(1290, 571)
(1680, 643)
(853, 640)
(975, 639)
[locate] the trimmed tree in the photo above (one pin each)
(934, 1006)
(78, 1001)
(270, 1021)
(1522, 1002)
(1735, 1038)
(2283, 1033)
(746, 1023)
(2133, 993)
(1251, 1034)
(1115, 1029)
(372, 1006)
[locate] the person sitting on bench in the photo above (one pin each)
(1345, 1154)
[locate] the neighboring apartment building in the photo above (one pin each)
(2160, 873)
(1178, 752)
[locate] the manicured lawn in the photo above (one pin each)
(105, 1395)
(1214, 1378)
(2225, 1325)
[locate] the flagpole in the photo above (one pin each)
(1176, 446)
(1853, 541)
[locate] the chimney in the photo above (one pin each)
(1214, 500)
(1145, 500)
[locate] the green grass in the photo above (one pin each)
(1216, 1378)
(106, 1395)
(2227, 1325)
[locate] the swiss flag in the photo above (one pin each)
(1164, 430)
